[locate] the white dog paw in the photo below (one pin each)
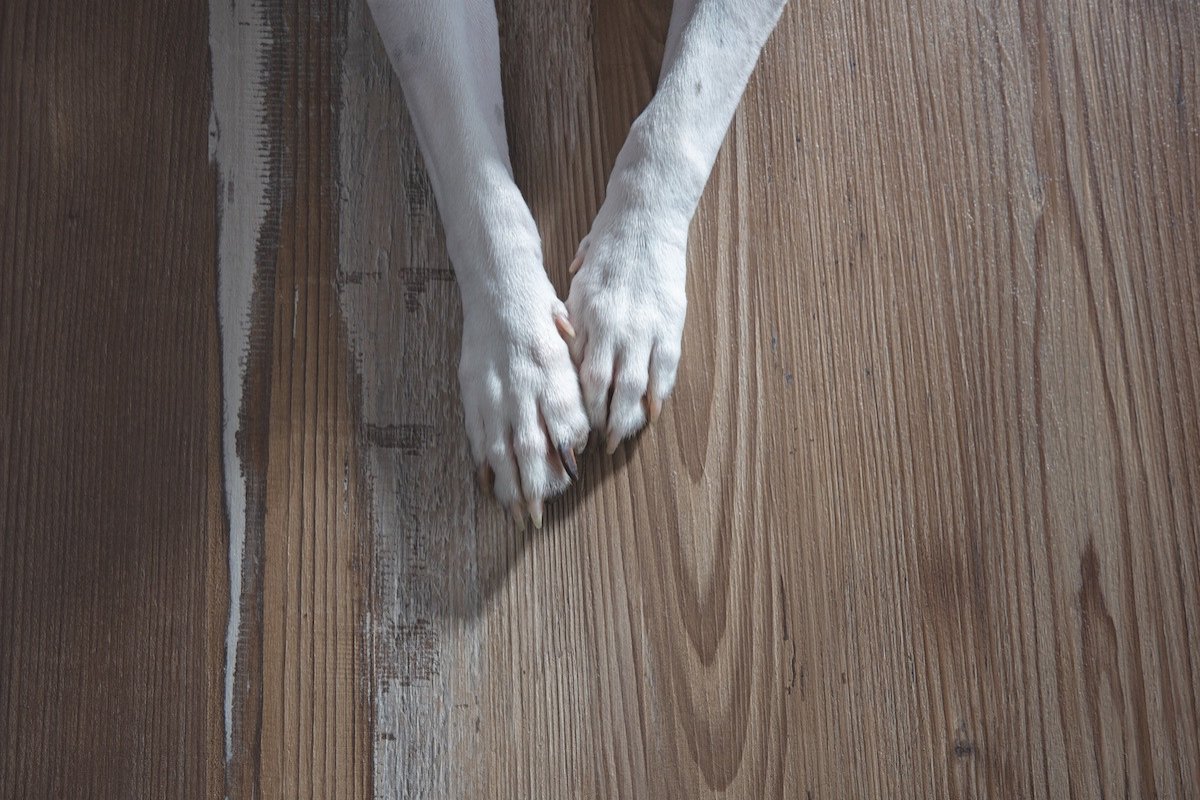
(521, 399)
(627, 302)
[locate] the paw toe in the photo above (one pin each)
(627, 413)
(506, 484)
(595, 379)
(664, 364)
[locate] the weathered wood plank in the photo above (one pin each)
(316, 711)
(299, 715)
(920, 519)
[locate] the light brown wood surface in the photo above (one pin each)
(922, 518)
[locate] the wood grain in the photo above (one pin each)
(111, 526)
(921, 518)
(301, 715)
(315, 712)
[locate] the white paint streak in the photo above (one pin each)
(238, 143)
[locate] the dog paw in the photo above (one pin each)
(627, 302)
(521, 400)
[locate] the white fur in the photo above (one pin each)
(627, 302)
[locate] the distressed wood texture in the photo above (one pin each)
(111, 527)
(315, 734)
(921, 519)
(300, 717)
(114, 559)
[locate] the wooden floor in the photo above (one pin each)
(922, 518)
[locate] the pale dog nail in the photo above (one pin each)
(565, 327)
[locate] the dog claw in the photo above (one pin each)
(613, 441)
(565, 327)
(535, 513)
(655, 408)
(576, 264)
(569, 463)
(518, 514)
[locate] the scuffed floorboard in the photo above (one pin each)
(297, 715)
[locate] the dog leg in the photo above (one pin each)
(627, 299)
(520, 394)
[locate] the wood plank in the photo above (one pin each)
(316, 713)
(299, 716)
(111, 526)
(920, 520)
(921, 517)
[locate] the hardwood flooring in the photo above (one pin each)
(922, 518)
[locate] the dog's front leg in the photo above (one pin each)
(627, 300)
(520, 394)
